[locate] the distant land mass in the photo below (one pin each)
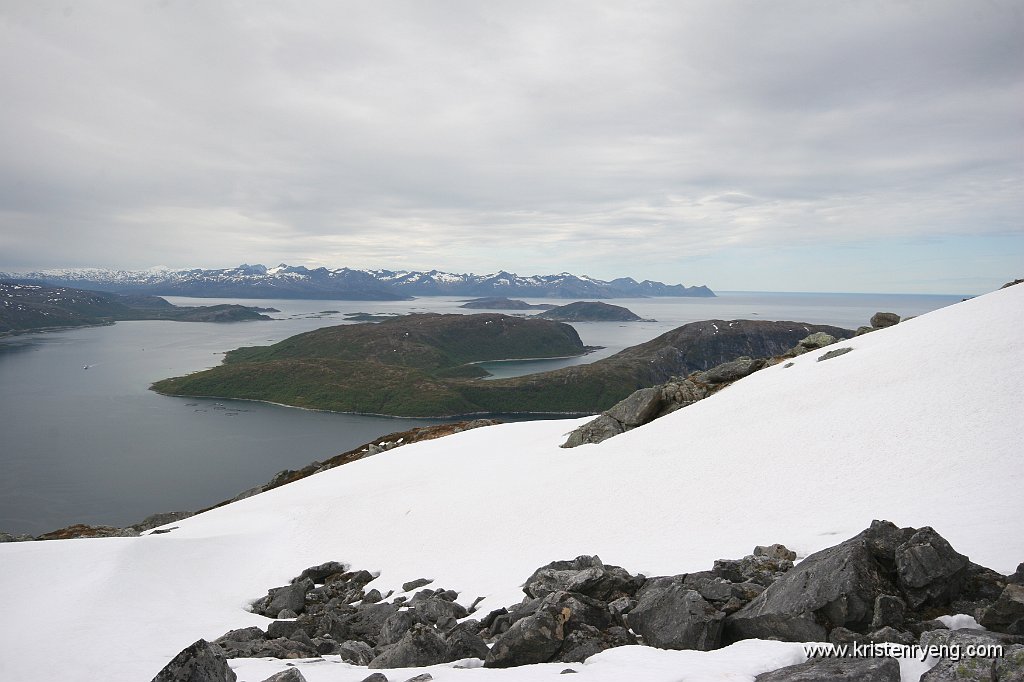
(33, 307)
(285, 281)
(502, 303)
(589, 311)
(421, 365)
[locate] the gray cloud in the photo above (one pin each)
(609, 138)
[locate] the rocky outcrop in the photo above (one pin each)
(886, 584)
(880, 321)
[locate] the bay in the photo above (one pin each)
(96, 446)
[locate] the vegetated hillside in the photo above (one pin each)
(404, 366)
(502, 303)
(590, 311)
(27, 307)
(415, 366)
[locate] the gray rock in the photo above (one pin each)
(420, 646)
(7, 537)
(282, 628)
(929, 570)
(318, 574)
(413, 584)
(534, 639)
(778, 551)
(249, 634)
(834, 587)
(291, 597)
(289, 675)
(439, 612)
(376, 677)
(864, 330)
(372, 597)
(464, 642)
(728, 372)
(355, 652)
(834, 353)
(682, 392)
(155, 520)
(891, 635)
(671, 616)
(287, 613)
(394, 628)
(583, 610)
(587, 575)
(816, 340)
(889, 610)
(600, 429)
(1007, 613)
(638, 408)
(883, 320)
(837, 670)
(584, 641)
(709, 586)
(422, 677)
(965, 669)
(199, 662)
(363, 623)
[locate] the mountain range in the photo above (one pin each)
(286, 281)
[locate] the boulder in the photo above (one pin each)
(639, 408)
(319, 574)
(889, 611)
(669, 615)
(586, 640)
(883, 320)
(929, 570)
(777, 551)
(376, 677)
(289, 675)
(464, 642)
(199, 662)
(355, 652)
(815, 341)
(413, 584)
(834, 587)
(600, 429)
(420, 646)
(962, 668)
(1007, 613)
(728, 372)
(586, 575)
(837, 670)
(363, 623)
(291, 597)
(437, 611)
(834, 354)
(534, 639)
(682, 392)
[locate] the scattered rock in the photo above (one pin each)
(289, 675)
(837, 670)
(319, 574)
(587, 575)
(729, 372)
(534, 639)
(777, 551)
(413, 584)
(1007, 613)
(816, 340)
(600, 429)
(638, 408)
(376, 677)
(420, 646)
(199, 662)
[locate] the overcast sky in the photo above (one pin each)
(759, 145)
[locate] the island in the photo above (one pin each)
(422, 365)
(590, 311)
(27, 307)
(502, 303)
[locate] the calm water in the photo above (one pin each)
(95, 446)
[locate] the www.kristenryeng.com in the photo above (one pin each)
(952, 652)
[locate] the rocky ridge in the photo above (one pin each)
(886, 585)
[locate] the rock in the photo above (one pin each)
(1007, 613)
(372, 597)
(889, 610)
(376, 677)
(682, 392)
(921, 627)
(638, 408)
(929, 570)
(413, 584)
(363, 623)
(396, 625)
(815, 341)
(834, 587)
(199, 662)
(891, 635)
(289, 675)
(778, 551)
(834, 353)
(355, 652)
(600, 429)
(281, 628)
(1012, 283)
(154, 520)
(249, 634)
(709, 586)
(837, 670)
(291, 597)
(319, 574)
(534, 639)
(864, 330)
(585, 641)
(7, 537)
(437, 611)
(287, 613)
(671, 616)
(587, 575)
(883, 320)
(963, 668)
(583, 610)
(729, 372)
(422, 677)
(464, 642)
(420, 646)
(1017, 578)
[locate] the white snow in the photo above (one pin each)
(919, 424)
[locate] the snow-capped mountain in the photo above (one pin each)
(917, 423)
(285, 281)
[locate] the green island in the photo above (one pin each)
(421, 365)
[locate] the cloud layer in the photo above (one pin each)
(699, 141)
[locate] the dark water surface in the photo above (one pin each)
(96, 446)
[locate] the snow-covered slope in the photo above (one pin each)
(919, 424)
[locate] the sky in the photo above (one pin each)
(746, 145)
